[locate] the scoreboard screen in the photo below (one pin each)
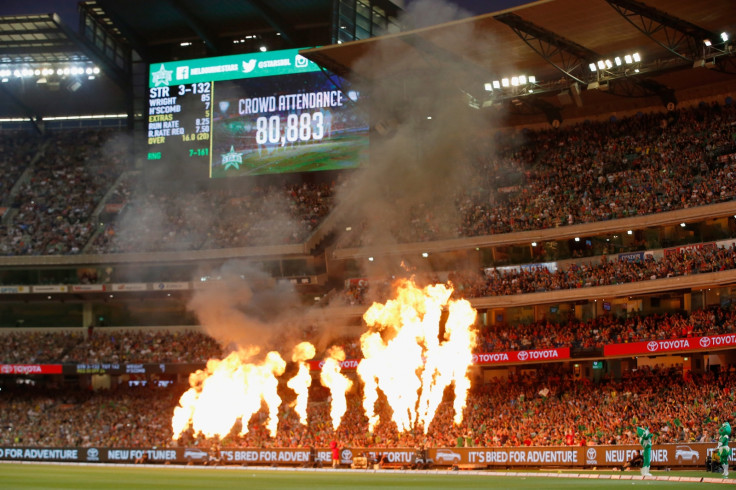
(254, 114)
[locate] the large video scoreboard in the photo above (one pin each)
(252, 114)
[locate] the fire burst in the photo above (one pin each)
(408, 357)
(227, 391)
(338, 384)
(300, 383)
(410, 353)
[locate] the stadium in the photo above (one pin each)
(370, 243)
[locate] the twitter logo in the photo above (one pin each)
(248, 66)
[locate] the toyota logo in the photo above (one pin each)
(522, 355)
(6, 369)
(652, 346)
(346, 455)
(705, 342)
(591, 454)
(475, 358)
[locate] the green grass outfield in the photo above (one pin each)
(100, 477)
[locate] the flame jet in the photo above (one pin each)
(229, 390)
(409, 358)
(302, 380)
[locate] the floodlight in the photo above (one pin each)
(636, 57)
(505, 82)
(724, 36)
(522, 79)
(628, 59)
(617, 60)
(592, 67)
(488, 87)
(609, 65)
(601, 65)
(515, 81)
(496, 84)
(532, 79)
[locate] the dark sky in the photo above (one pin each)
(67, 9)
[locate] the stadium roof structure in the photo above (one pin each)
(37, 39)
(42, 42)
(678, 42)
(147, 24)
(115, 36)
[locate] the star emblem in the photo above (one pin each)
(162, 76)
(232, 159)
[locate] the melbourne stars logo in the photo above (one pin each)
(162, 76)
(232, 159)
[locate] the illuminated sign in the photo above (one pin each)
(252, 114)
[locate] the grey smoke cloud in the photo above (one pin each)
(246, 307)
(422, 127)
(417, 169)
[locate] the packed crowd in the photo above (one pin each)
(70, 175)
(172, 221)
(69, 417)
(603, 330)
(549, 407)
(592, 171)
(598, 171)
(592, 334)
(17, 149)
(104, 345)
(600, 272)
(30, 347)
